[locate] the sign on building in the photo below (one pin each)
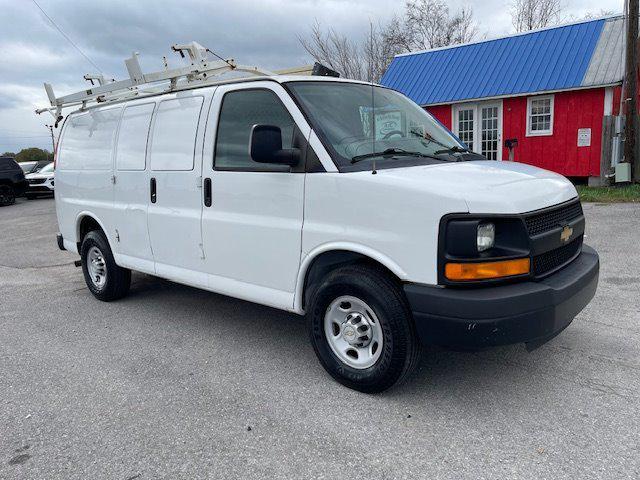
(584, 137)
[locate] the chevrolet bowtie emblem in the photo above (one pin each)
(566, 233)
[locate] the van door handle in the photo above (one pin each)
(207, 192)
(152, 189)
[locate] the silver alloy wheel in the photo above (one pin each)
(353, 332)
(97, 267)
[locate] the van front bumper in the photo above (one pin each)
(532, 312)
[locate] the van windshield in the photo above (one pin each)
(361, 123)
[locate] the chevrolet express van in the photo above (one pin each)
(339, 200)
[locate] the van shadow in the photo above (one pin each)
(282, 335)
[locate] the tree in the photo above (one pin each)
(33, 154)
(8, 154)
(601, 13)
(335, 51)
(429, 24)
(424, 24)
(531, 14)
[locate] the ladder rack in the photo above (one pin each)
(201, 70)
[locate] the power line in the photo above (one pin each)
(66, 36)
(10, 131)
(29, 136)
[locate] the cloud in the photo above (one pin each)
(12, 95)
(253, 32)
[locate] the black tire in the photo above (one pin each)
(7, 195)
(117, 279)
(401, 348)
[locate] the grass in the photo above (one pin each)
(614, 194)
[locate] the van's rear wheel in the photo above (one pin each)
(106, 280)
(362, 330)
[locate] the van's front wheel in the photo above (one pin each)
(361, 328)
(106, 280)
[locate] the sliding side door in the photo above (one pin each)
(174, 187)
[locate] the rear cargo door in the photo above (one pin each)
(131, 198)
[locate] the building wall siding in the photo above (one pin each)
(442, 113)
(558, 152)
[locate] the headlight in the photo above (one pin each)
(473, 249)
(486, 238)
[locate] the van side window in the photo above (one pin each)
(240, 111)
(132, 137)
(87, 143)
(173, 140)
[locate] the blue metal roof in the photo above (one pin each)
(550, 59)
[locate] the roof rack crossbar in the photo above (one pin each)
(200, 70)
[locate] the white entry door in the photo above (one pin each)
(479, 125)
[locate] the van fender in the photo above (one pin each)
(344, 246)
(79, 218)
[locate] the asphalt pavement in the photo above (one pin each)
(177, 383)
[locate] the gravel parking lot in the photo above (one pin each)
(173, 382)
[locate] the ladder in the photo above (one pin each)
(200, 71)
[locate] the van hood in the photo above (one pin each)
(487, 186)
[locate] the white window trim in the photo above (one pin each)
(477, 125)
(540, 133)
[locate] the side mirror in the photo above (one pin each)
(265, 146)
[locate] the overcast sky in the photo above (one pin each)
(263, 32)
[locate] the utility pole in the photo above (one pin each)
(631, 88)
(53, 139)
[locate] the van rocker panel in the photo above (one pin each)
(529, 312)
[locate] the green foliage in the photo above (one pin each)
(617, 193)
(8, 154)
(33, 154)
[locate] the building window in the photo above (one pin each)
(466, 126)
(540, 115)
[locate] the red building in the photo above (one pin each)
(548, 90)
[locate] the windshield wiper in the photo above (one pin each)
(454, 149)
(391, 152)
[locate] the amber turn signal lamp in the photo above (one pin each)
(486, 270)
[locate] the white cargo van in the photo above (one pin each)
(339, 200)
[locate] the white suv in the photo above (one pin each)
(41, 182)
(336, 199)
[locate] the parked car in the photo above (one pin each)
(12, 182)
(337, 199)
(41, 182)
(27, 167)
(32, 167)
